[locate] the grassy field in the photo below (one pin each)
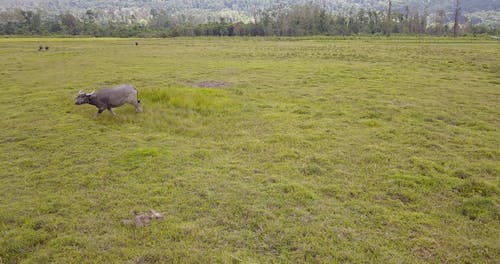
(313, 150)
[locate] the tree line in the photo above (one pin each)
(301, 20)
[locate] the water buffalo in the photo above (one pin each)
(109, 98)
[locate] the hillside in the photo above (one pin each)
(243, 5)
(246, 9)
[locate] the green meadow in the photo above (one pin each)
(258, 150)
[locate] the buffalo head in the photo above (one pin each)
(82, 98)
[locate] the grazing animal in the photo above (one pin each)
(109, 98)
(137, 43)
(40, 48)
(46, 48)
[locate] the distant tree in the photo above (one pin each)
(362, 21)
(389, 19)
(352, 22)
(53, 26)
(11, 22)
(340, 26)
(89, 25)
(375, 24)
(440, 23)
(160, 20)
(423, 23)
(70, 24)
(90, 16)
(10, 28)
(406, 20)
(323, 25)
(458, 7)
(267, 23)
(467, 25)
(32, 23)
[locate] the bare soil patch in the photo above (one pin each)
(211, 84)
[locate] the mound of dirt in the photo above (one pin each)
(141, 220)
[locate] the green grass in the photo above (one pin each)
(317, 150)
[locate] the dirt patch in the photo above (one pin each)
(211, 84)
(141, 220)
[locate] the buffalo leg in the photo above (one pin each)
(99, 112)
(111, 110)
(138, 107)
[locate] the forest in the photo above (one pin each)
(282, 20)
